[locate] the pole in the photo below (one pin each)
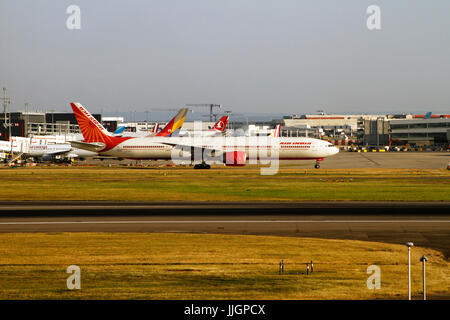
(53, 120)
(4, 104)
(409, 273)
(424, 259)
(26, 123)
(424, 290)
(409, 245)
(7, 120)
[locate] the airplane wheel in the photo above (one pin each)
(317, 166)
(202, 166)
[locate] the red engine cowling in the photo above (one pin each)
(234, 158)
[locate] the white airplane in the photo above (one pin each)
(232, 150)
(217, 130)
(52, 152)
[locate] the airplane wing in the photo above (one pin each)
(188, 146)
(230, 158)
(59, 152)
(91, 146)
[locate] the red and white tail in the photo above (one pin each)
(92, 130)
(221, 124)
(276, 132)
(155, 128)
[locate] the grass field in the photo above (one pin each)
(223, 184)
(192, 266)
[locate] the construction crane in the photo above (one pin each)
(165, 110)
(211, 106)
(168, 110)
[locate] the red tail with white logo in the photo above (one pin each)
(221, 124)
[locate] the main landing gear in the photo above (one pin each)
(202, 166)
(317, 165)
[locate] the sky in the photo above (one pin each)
(252, 56)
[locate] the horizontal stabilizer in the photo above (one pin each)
(89, 146)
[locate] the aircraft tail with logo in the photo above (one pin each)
(220, 125)
(119, 131)
(276, 132)
(96, 137)
(174, 126)
(155, 128)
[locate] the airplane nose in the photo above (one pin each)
(336, 150)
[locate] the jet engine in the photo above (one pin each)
(234, 158)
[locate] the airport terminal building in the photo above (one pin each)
(421, 131)
(27, 124)
(376, 130)
(370, 130)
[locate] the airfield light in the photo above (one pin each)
(409, 245)
(424, 259)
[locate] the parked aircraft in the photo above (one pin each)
(217, 130)
(63, 152)
(233, 151)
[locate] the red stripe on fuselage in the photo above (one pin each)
(114, 141)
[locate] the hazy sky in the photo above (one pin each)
(250, 55)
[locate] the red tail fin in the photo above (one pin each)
(276, 132)
(91, 129)
(174, 125)
(221, 124)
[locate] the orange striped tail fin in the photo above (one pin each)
(91, 129)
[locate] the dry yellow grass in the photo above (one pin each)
(190, 266)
